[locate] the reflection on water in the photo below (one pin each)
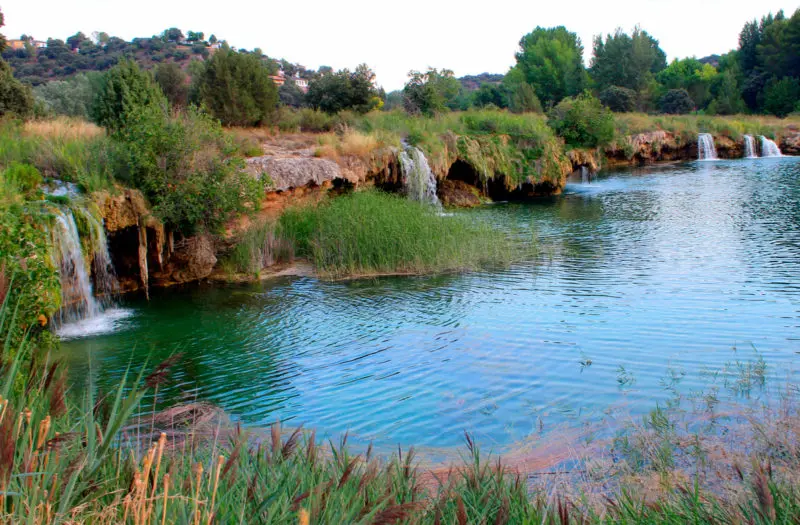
(642, 275)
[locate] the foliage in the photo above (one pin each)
(124, 90)
(344, 90)
(431, 92)
(16, 98)
(677, 102)
(628, 61)
(401, 236)
(185, 167)
(235, 87)
(782, 97)
(551, 61)
(72, 97)
(582, 121)
(291, 95)
(619, 99)
(690, 74)
(522, 99)
(172, 81)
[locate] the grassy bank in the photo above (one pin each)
(373, 233)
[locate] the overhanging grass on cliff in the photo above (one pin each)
(686, 127)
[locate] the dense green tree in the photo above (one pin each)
(778, 51)
(782, 96)
(628, 61)
(173, 34)
(618, 99)
(72, 97)
(677, 102)
(692, 75)
(582, 121)
(291, 95)
(431, 92)
(192, 36)
(173, 82)
(125, 89)
(236, 88)
(551, 61)
(15, 98)
(354, 90)
(521, 95)
(491, 95)
(212, 39)
(727, 96)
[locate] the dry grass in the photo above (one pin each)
(62, 128)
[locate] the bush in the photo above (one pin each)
(619, 99)
(677, 102)
(185, 165)
(582, 121)
(72, 97)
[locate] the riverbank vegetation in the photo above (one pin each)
(374, 233)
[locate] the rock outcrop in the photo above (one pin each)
(458, 194)
(790, 143)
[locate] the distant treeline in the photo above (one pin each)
(627, 72)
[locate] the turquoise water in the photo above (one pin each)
(648, 283)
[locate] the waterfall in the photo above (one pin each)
(769, 148)
(584, 175)
(418, 179)
(705, 147)
(750, 147)
(77, 298)
(82, 312)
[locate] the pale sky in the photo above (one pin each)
(467, 36)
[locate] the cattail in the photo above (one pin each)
(198, 475)
(162, 441)
(27, 413)
(220, 461)
(303, 517)
(166, 495)
(44, 429)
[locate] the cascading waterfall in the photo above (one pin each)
(82, 311)
(77, 297)
(769, 148)
(705, 147)
(750, 147)
(585, 175)
(418, 179)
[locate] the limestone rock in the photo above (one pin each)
(294, 172)
(194, 258)
(790, 144)
(458, 194)
(121, 210)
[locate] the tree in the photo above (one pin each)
(191, 36)
(236, 88)
(124, 90)
(334, 92)
(15, 97)
(490, 95)
(582, 121)
(172, 81)
(618, 99)
(212, 39)
(551, 61)
(290, 94)
(431, 92)
(72, 97)
(173, 34)
(781, 97)
(677, 102)
(693, 76)
(727, 97)
(626, 61)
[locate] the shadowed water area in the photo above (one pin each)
(647, 281)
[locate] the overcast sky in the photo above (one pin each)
(466, 36)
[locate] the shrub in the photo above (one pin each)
(619, 99)
(582, 121)
(16, 98)
(185, 165)
(676, 102)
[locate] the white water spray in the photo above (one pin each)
(769, 148)
(418, 179)
(705, 147)
(750, 147)
(81, 312)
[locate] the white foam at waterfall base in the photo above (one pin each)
(705, 147)
(106, 322)
(750, 147)
(418, 179)
(769, 148)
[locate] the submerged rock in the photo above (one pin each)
(194, 258)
